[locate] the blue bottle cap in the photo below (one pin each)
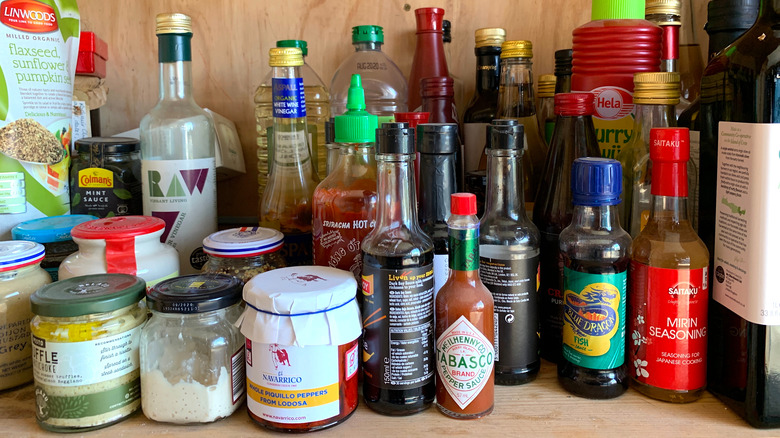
(49, 229)
(596, 181)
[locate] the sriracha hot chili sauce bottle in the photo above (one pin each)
(596, 254)
(398, 343)
(669, 297)
(464, 322)
(344, 203)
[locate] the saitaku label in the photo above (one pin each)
(28, 16)
(668, 327)
(464, 361)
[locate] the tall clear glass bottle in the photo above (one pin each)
(516, 101)
(574, 137)
(509, 257)
(177, 150)
(398, 336)
(286, 204)
(317, 113)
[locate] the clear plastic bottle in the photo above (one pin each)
(384, 84)
(317, 113)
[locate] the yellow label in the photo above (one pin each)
(95, 177)
(278, 398)
(613, 135)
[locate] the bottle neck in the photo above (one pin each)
(669, 208)
(563, 83)
(438, 179)
(598, 218)
(363, 46)
(648, 116)
(440, 108)
(504, 196)
(516, 94)
(488, 69)
(464, 244)
(175, 58)
(396, 197)
(670, 179)
(670, 51)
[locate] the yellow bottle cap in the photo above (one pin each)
(489, 36)
(517, 49)
(659, 88)
(546, 86)
(285, 57)
(173, 22)
(664, 7)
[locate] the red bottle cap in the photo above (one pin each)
(429, 20)
(463, 204)
(669, 151)
(413, 119)
(575, 104)
(117, 227)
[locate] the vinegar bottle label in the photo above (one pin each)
(464, 361)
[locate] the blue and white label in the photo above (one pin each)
(289, 98)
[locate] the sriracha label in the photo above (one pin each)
(668, 327)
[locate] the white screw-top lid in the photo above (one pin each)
(243, 242)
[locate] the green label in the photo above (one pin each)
(464, 249)
(594, 323)
(86, 405)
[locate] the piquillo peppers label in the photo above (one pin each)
(464, 361)
(668, 327)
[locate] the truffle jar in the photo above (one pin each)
(192, 356)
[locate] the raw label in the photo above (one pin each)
(464, 361)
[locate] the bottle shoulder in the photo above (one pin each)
(670, 245)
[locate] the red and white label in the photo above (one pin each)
(351, 362)
(28, 16)
(668, 327)
(613, 103)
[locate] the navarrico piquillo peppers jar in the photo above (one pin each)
(20, 276)
(302, 326)
(85, 337)
(122, 245)
(192, 356)
(243, 252)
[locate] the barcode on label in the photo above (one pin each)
(238, 374)
(495, 335)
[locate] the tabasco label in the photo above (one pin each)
(668, 327)
(464, 361)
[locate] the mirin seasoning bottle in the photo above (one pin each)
(669, 296)
(464, 322)
(178, 168)
(397, 281)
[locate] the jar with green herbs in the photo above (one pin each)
(243, 252)
(85, 339)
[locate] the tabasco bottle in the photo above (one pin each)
(398, 342)
(464, 322)
(596, 254)
(287, 201)
(344, 204)
(669, 287)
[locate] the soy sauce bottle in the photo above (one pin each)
(397, 281)
(596, 255)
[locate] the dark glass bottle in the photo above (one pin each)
(438, 145)
(429, 58)
(596, 254)
(563, 60)
(438, 101)
(398, 342)
(740, 85)
(509, 257)
(574, 137)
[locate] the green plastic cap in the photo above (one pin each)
(616, 9)
(356, 125)
(369, 34)
(301, 44)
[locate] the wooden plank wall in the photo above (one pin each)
(232, 38)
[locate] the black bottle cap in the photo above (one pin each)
(446, 27)
(563, 59)
(731, 15)
(437, 138)
(330, 131)
(395, 138)
(505, 134)
(108, 145)
(195, 293)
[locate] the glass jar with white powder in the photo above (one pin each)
(192, 356)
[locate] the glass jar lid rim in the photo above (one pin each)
(49, 229)
(242, 242)
(88, 294)
(119, 226)
(16, 254)
(196, 293)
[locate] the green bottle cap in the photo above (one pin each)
(356, 125)
(614, 9)
(301, 44)
(370, 34)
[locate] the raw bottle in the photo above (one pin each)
(739, 85)
(596, 254)
(384, 84)
(607, 52)
(398, 342)
(317, 113)
(574, 137)
(546, 104)
(286, 204)
(457, 83)
(178, 167)
(464, 322)
(438, 145)
(484, 104)
(667, 315)
(429, 60)
(516, 101)
(509, 257)
(344, 203)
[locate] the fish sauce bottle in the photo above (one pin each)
(596, 252)
(397, 283)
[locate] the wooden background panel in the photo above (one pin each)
(232, 38)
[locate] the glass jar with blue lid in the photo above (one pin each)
(54, 234)
(244, 252)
